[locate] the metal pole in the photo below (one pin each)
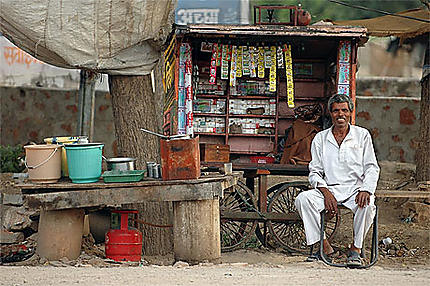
(86, 104)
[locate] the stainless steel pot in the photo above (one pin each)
(120, 164)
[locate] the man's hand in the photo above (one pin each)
(330, 202)
(362, 199)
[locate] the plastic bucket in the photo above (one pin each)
(65, 140)
(84, 162)
(43, 163)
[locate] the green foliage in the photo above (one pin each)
(323, 9)
(11, 159)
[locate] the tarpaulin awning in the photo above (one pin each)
(385, 26)
(108, 36)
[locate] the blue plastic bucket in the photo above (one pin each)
(84, 162)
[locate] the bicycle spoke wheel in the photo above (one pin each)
(234, 232)
(269, 241)
(291, 234)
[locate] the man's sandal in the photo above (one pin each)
(353, 259)
(317, 257)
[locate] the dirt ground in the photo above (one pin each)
(405, 260)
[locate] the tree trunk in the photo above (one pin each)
(423, 153)
(135, 106)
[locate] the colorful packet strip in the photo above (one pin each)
(239, 61)
(280, 57)
(245, 61)
(224, 62)
(233, 66)
(289, 75)
(253, 57)
(261, 62)
(272, 73)
(212, 69)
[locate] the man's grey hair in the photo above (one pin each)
(340, 98)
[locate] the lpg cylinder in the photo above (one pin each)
(123, 241)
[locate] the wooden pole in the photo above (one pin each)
(86, 104)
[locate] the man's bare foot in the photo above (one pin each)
(327, 247)
(353, 248)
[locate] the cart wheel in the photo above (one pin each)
(269, 241)
(236, 232)
(291, 234)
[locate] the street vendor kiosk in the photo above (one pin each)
(241, 88)
(256, 95)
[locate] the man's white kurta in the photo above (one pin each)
(344, 170)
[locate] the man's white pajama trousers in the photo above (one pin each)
(310, 203)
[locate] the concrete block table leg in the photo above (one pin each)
(196, 231)
(60, 234)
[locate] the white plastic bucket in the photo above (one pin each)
(43, 163)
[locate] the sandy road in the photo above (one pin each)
(222, 274)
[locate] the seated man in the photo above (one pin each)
(343, 171)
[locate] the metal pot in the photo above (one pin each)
(120, 164)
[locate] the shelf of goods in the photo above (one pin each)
(250, 116)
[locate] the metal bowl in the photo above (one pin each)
(120, 164)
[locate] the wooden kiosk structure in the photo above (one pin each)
(237, 87)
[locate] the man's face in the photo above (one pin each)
(340, 114)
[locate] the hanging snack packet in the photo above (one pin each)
(233, 66)
(224, 62)
(253, 56)
(245, 61)
(261, 62)
(280, 57)
(239, 61)
(289, 75)
(272, 74)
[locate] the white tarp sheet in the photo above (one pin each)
(108, 36)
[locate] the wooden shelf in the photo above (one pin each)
(208, 114)
(309, 60)
(253, 97)
(308, 79)
(286, 116)
(306, 98)
(209, 134)
(211, 96)
(250, 135)
(251, 116)
(246, 152)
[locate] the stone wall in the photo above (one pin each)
(390, 109)
(32, 114)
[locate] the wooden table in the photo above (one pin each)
(196, 224)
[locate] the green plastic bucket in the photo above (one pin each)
(84, 162)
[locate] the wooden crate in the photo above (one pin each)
(215, 153)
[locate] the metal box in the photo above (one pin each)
(180, 159)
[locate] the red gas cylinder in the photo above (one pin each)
(123, 242)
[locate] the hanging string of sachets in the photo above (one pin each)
(289, 75)
(239, 61)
